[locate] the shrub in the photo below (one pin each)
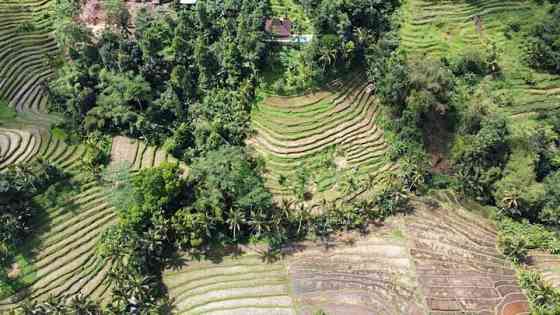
(471, 61)
(513, 247)
(544, 299)
(534, 236)
(551, 211)
(480, 152)
(517, 192)
(544, 44)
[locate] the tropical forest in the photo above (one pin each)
(280, 157)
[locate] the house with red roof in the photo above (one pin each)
(281, 28)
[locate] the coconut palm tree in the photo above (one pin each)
(258, 221)
(80, 305)
(327, 56)
(235, 219)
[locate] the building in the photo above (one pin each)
(279, 27)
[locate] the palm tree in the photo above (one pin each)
(361, 35)
(258, 222)
(511, 202)
(235, 219)
(80, 305)
(327, 56)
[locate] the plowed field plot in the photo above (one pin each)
(373, 275)
(327, 134)
(458, 266)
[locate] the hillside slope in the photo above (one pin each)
(440, 259)
(325, 135)
(445, 28)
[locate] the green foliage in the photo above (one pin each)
(474, 61)
(7, 113)
(544, 299)
(514, 247)
(344, 29)
(545, 142)
(193, 75)
(117, 14)
(18, 213)
(544, 43)
(25, 27)
(517, 192)
(289, 71)
(96, 156)
(414, 92)
(62, 306)
(520, 236)
(142, 239)
(228, 188)
(480, 152)
(551, 211)
(17, 188)
(431, 85)
(390, 71)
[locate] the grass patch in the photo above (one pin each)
(25, 274)
(7, 113)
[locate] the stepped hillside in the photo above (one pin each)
(62, 258)
(457, 263)
(363, 275)
(64, 262)
(137, 153)
(29, 143)
(25, 49)
(441, 259)
(327, 134)
(444, 28)
(237, 285)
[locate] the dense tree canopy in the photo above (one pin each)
(192, 77)
(18, 185)
(544, 43)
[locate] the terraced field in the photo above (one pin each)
(29, 143)
(64, 262)
(373, 275)
(332, 132)
(238, 285)
(25, 48)
(439, 260)
(458, 265)
(444, 28)
(440, 27)
(137, 153)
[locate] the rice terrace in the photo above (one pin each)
(279, 157)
